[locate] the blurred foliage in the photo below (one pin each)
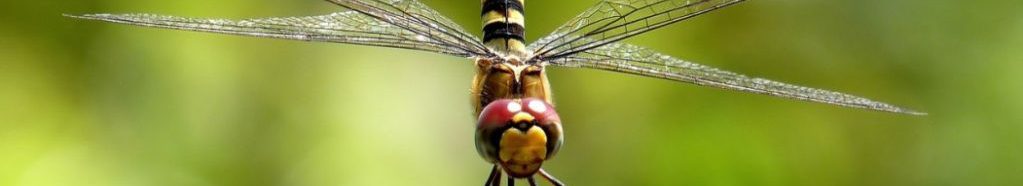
(89, 103)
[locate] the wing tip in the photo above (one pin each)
(86, 16)
(913, 112)
(82, 16)
(899, 110)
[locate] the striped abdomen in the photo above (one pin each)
(504, 26)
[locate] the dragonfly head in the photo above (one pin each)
(518, 134)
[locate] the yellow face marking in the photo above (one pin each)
(523, 148)
(522, 117)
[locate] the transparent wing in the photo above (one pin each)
(419, 29)
(613, 20)
(418, 18)
(632, 59)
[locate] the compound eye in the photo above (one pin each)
(543, 111)
(494, 119)
(498, 113)
(547, 119)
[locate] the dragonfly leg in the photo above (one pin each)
(497, 180)
(495, 177)
(532, 182)
(511, 181)
(550, 178)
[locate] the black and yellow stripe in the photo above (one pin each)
(504, 27)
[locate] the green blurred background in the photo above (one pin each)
(90, 103)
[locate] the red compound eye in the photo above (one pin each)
(516, 114)
(498, 113)
(540, 109)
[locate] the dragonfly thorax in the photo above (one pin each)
(517, 56)
(508, 79)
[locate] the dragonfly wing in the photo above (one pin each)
(636, 60)
(416, 17)
(349, 26)
(614, 20)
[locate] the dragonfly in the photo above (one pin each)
(517, 128)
